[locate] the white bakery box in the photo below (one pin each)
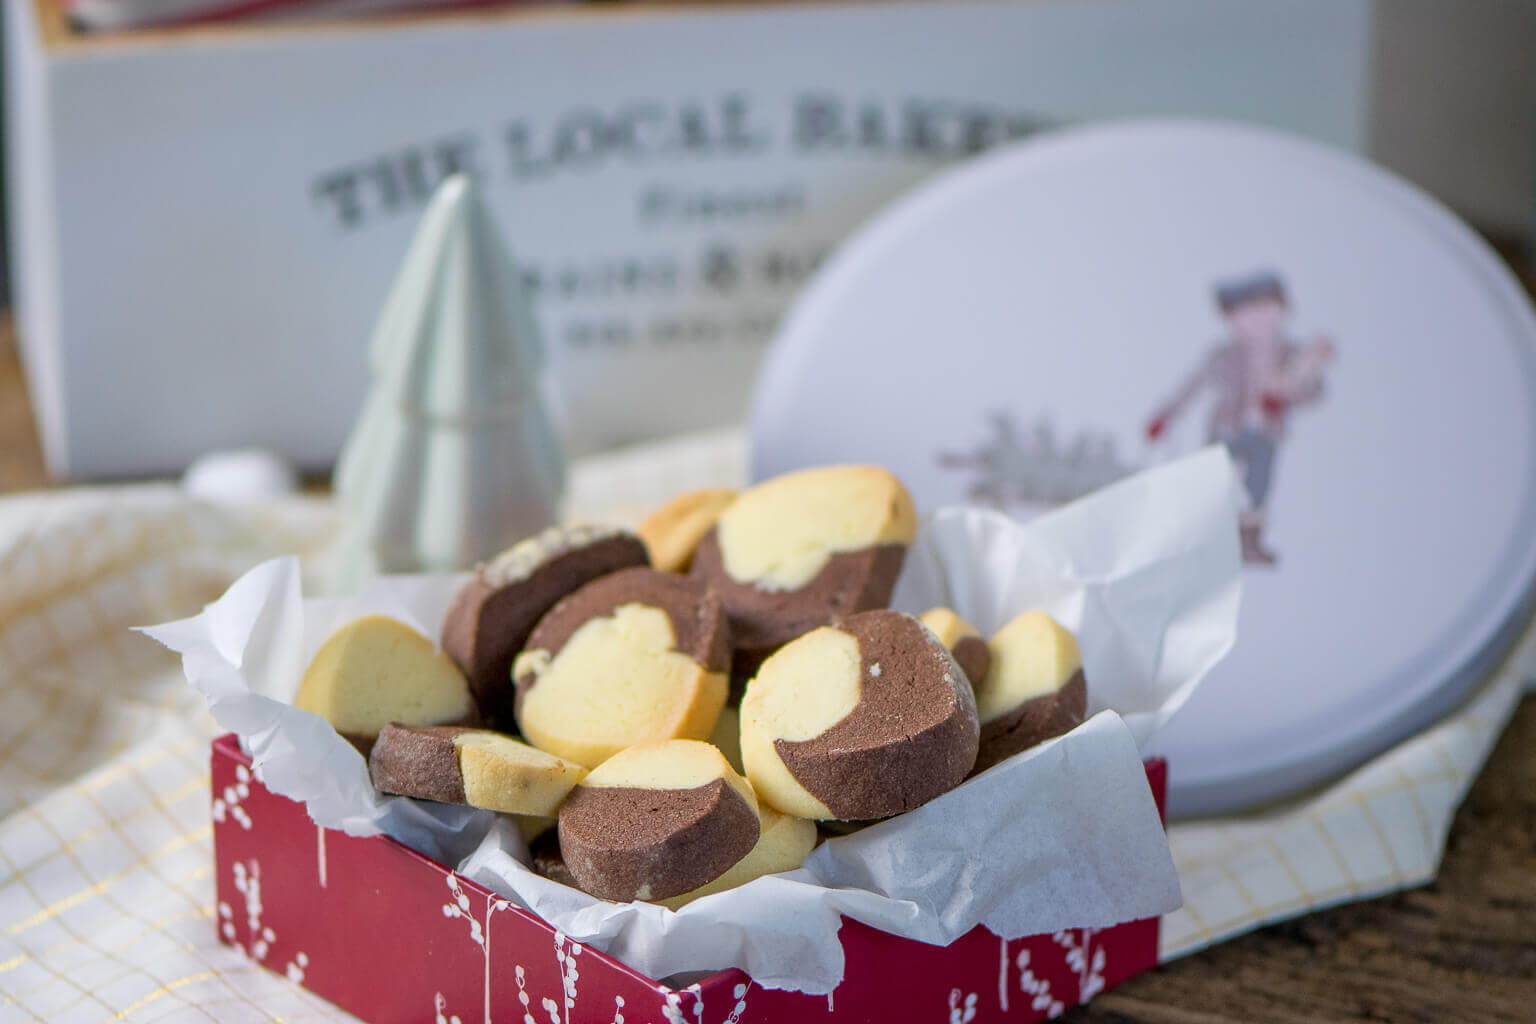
(205, 219)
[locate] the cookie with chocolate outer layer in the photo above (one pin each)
(672, 533)
(807, 549)
(783, 844)
(963, 640)
(1034, 690)
(637, 656)
(657, 820)
(470, 766)
(863, 720)
(491, 616)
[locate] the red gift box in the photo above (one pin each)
(390, 935)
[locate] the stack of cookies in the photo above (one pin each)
(672, 712)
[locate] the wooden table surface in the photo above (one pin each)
(1460, 950)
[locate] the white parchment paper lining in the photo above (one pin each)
(1145, 573)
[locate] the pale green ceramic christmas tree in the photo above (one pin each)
(456, 455)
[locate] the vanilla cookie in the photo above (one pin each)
(672, 533)
(376, 670)
(470, 766)
(1034, 689)
(963, 641)
(492, 615)
(804, 550)
(727, 735)
(637, 656)
(656, 821)
(863, 720)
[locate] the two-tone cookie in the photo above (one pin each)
(673, 532)
(963, 641)
(376, 670)
(470, 766)
(545, 857)
(865, 720)
(492, 615)
(656, 821)
(636, 656)
(783, 844)
(805, 550)
(1034, 689)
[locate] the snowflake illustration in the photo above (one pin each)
(295, 970)
(961, 1012)
(618, 1010)
(1019, 467)
(1038, 989)
(1086, 959)
(229, 805)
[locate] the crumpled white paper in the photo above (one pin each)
(1066, 835)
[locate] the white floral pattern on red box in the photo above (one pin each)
(390, 935)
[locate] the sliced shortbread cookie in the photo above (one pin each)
(634, 657)
(865, 720)
(376, 670)
(492, 615)
(804, 550)
(471, 766)
(657, 820)
(545, 858)
(963, 641)
(672, 533)
(782, 845)
(1034, 689)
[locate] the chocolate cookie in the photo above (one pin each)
(470, 766)
(376, 670)
(491, 617)
(804, 550)
(1035, 689)
(865, 720)
(657, 820)
(782, 845)
(672, 533)
(963, 641)
(546, 858)
(634, 657)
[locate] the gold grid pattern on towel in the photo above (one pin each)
(1381, 828)
(106, 889)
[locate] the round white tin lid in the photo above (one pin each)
(1018, 330)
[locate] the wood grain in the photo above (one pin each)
(21, 457)
(1462, 949)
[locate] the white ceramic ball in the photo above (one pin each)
(239, 475)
